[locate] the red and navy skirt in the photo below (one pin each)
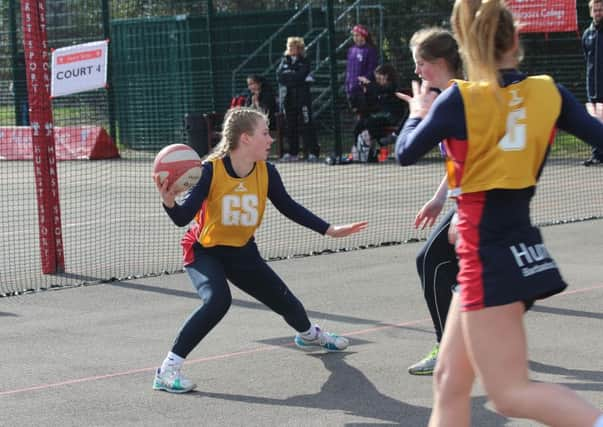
(502, 258)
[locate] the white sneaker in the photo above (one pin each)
(172, 381)
(326, 340)
(312, 158)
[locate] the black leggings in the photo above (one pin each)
(299, 123)
(437, 265)
(245, 268)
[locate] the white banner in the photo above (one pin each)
(79, 68)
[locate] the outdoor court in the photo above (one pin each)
(86, 356)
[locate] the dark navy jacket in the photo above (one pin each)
(592, 45)
(293, 75)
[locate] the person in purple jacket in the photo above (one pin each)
(362, 61)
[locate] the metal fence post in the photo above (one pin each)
(210, 52)
(110, 89)
(333, 80)
(18, 69)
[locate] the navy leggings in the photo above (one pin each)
(245, 268)
(438, 266)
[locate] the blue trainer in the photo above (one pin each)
(326, 340)
(172, 381)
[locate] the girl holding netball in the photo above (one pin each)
(498, 128)
(227, 204)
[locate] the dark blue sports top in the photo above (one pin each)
(446, 119)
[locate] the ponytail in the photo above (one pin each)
(485, 31)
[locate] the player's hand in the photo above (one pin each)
(452, 233)
(429, 213)
(168, 197)
(346, 230)
(595, 109)
(420, 101)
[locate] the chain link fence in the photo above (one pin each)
(170, 59)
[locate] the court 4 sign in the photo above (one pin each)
(79, 68)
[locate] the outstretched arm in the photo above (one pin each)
(429, 121)
(575, 119)
(347, 229)
(430, 211)
(295, 212)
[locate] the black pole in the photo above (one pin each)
(210, 52)
(18, 70)
(110, 89)
(334, 83)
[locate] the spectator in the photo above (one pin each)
(261, 96)
(593, 54)
(293, 75)
(362, 61)
(381, 108)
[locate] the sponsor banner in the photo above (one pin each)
(72, 143)
(545, 16)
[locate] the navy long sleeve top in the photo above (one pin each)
(182, 214)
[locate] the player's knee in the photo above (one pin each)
(505, 402)
(447, 384)
(219, 299)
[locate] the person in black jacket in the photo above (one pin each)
(293, 75)
(593, 54)
(261, 96)
(379, 108)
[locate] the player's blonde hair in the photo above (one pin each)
(485, 31)
(237, 121)
(296, 41)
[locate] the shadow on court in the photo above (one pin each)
(87, 355)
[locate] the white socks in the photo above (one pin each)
(312, 333)
(599, 422)
(172, 360)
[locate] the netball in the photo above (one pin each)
(180, 165)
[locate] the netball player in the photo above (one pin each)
(437, 61)
(228, 204)
(498, 128)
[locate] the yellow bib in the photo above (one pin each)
(508, 133)
(234, 207)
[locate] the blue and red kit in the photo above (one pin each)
(496, 142)
(220, 245)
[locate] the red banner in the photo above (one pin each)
(545, 16)
(71, 143)
(37, 64)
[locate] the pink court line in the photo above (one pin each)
(260, 349)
